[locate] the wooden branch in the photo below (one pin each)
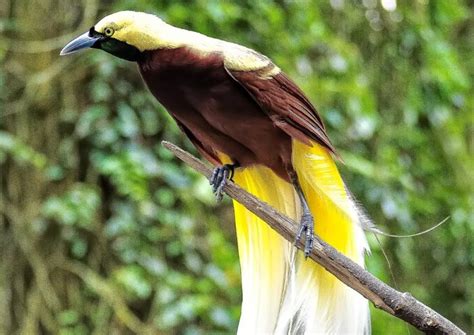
(401, 305)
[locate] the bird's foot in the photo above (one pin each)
(306, 227)
(219, 178)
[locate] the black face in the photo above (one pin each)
(115, 47)
(93, 39)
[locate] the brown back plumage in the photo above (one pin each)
(285, 104)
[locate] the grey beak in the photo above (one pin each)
(79, 43)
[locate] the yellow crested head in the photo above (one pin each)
(141, 30)
(127, 34)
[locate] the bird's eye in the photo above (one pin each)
(108, 31)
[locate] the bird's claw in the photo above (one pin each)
(306, 225)
(219, 178)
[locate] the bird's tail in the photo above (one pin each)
(282, 292)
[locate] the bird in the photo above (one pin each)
(257, 127)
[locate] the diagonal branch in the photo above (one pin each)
(401, 305)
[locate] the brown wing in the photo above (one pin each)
(206, 151)
(284, 103)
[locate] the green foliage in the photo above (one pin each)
(103, 231)
(20, 152)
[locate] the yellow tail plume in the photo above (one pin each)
(282, 292)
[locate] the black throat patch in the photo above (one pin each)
(119, 49)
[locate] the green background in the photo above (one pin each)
(102, 231)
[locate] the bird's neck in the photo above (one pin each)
(165, 36)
